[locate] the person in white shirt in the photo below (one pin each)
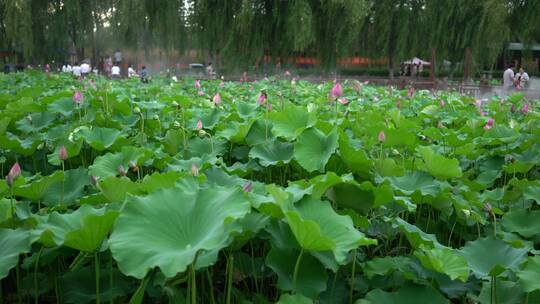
(115, 72)
(522, 78)
(131, 72)
(76, 70)
(508, 78)
(85, 69)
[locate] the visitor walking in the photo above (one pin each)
(144, 74)
(522, 78)
(107, 66)
(210, 70)
(131, 72)
(508, 78)
(85, 69)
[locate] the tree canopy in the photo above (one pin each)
(241, 32)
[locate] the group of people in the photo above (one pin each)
(519, 80)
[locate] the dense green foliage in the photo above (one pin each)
(222, 29)
(169, 193)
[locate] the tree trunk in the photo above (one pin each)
(432, 67)
(467, 66)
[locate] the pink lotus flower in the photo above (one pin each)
(410, 93)
(525, 109)
(62, 153)
(287, 73)
(217, 99)
(194, 170)
(482, 113)
(200, 93)
(78, 97)
(487, 127)
(490, 122)
(199, 125)
(441, 103)
(382, 136)
(262, 98)
(358, 87)
(343, 101)
(248, 187)
(197, 85)
(336, 91)
(14, 172)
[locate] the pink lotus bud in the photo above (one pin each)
(217, 99)
(197, 84)
(441, 103)
(199, 125)
(358, 87)
(221, 84)
(93, 180)
(525, 109)
(287, 73)
(77, 97)
(482, 113)
(262, 98)
(336, 91)
(62, 154)
(382, 136)
(488, 208)
(343, 101)
(14, 172)
(121, 170)
(490, 122)
(487, 127)
(200, 93)
(194, 170)
(248, 187)
(478, 103)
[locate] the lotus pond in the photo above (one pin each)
(271, 191)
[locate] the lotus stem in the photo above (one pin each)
(296, 267)
(63, 183)
(11, 202)
(96, 262)
(111, 299)
(36, 287)
(209, 278)
(193, 285)
(18, 280)
(229, 277)
(352, 277)
(253, 267)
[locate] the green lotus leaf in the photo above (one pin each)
(522, 221)
(157, 180)
(12, 244)
(100, 138)
(260, 133)
(388, 167)
(444, 260)
(507, 292)
(64, 106)
(204, 162)
(532, 193)
(291, 122)
(313, 149)
(37, 189)
(198, 147)
(411, 294)
(208, 117)
(235, 132)
(107, 165)
(354, 156)
(529, 276)
(360, 198)
(115, 189)
(311, 278)
(317, 227)
(415, 181)
(247, 110)
(4, 123)
(386, 265)
(169, 227)
(84, 229)
(490, 256)
(272, 153)
(415, 235)
(66, 192)
(26, 146)
(38, 122)
(173, 141)
(438, 165)
(293, 299)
